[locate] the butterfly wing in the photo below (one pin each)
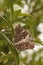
(23, 40)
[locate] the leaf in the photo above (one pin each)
(26, 15)
(17, 13)
(37, 40)
(14, 51)
(4, 22)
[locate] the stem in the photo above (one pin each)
(12, 11)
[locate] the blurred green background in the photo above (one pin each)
(30, 13)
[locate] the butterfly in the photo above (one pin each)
(23, 39)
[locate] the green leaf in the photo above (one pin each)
(14, 51)
(17, 13)
(26, 15)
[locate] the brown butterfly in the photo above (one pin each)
(23, 39)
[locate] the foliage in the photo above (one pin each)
(9, 17)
